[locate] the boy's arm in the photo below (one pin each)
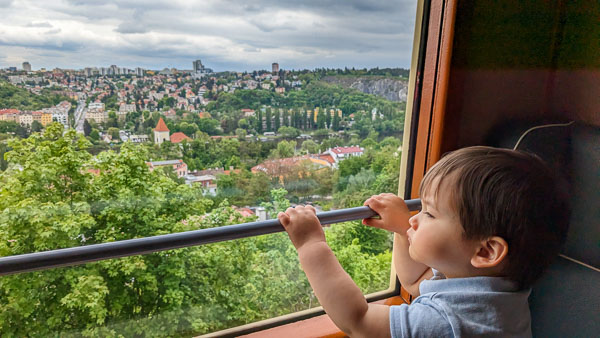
(409, 272)
(338, 294)
(394, 217)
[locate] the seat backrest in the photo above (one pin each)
(566, 301)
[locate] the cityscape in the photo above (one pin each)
(115, 104)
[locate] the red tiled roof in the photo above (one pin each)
(327, 157)
(178, 137)
(161, 126)
(245, 212)
(10, 111)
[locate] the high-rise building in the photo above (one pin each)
(197, 66)
(139, 71)
(26, 66)
(275, 68)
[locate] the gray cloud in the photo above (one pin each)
(39, 24)
(131, 28)
(233, 34)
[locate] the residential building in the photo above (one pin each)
(207, 182)
(248, 112)
(99, 106)
(9, 115)
(37, 116)
(127, 108)
(46, 118)
(99, 116)
(62, 118)
(275, 68)
(26, 66)
(284, 167)
(178, 166)
(139, 138)
(340, 153)
(25, 119)
(179, 137)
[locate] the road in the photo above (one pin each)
(80, 116)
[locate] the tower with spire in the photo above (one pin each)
(161, 132)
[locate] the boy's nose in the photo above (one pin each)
(413, 222)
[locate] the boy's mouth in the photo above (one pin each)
(408, 235)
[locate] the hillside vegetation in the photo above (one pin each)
(18, 98)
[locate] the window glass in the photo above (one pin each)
(121, 121)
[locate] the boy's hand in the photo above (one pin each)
(302, 225)
(392, 210)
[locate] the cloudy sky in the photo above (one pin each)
(225, 35)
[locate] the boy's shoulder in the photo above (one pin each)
(464, 307)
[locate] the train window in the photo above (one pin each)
(123, 122)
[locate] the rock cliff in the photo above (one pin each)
(388, 88)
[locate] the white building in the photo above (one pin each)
(340, 153)
(26, 119)
(99, 106)
(207, 182)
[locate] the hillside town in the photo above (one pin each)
(131, 90)
(179, 108)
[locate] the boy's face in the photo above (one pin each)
(436, 235)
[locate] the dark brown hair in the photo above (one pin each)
(511, 194)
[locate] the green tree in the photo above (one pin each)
(36, 126)
(87, 128)
(284, 149)
(95, 134)
(335, 124)
(243, 123)
(268, 119)
(277, 119)
(310, 147)
(241, 134)
(259, 124)
(114, 134)
(288, 132)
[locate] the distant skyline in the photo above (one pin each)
(225, 34)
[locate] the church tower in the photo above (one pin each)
(161, 132)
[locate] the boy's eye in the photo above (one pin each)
(428, 214)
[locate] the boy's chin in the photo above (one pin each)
(413, 256)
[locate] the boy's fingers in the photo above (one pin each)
(373, 222)
(283, 219)
(373, 203)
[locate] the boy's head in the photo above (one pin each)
(509, 194)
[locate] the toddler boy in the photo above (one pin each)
(491, 222)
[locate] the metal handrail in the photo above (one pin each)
(90, 253)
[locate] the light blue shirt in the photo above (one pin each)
(464, 307)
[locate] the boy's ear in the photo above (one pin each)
(490, 252)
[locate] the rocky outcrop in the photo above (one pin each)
(388, 88)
